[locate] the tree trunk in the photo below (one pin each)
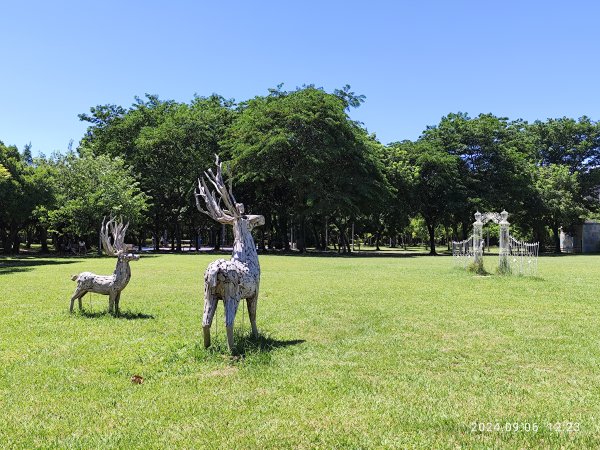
(317, 237)
(341, 237)
(14, 237)
(4, 237)
(261, 241)
(29, 240)
(539, 235)
(302, 236)
(556, 238)
(281, 238)
(271, 240)
(43, 233)
(465, 230)
(283, 231)
(156, 233)
(431, 230)
(178, 236)
(345, 242)
(218, 239)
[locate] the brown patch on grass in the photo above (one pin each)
(224, 372)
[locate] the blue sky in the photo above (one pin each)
(414, 61)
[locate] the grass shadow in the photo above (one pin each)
(333, 254)
(246, 347)
(247, 343)
(127, 315)
(27, 264)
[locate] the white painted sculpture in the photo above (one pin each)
(514, 256)
(239, 277)
(110, 285)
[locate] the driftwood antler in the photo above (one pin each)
(115, 229)
(231, 210)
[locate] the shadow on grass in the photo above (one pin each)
(355, 254)
(127, 315)
(249, 344)
(246, 346)
(565, 255)
(15, 265)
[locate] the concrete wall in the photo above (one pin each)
(585, 239)
(591, 237)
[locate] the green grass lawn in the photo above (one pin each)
(355, 352)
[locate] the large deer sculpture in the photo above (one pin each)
(239, 277)
(110, 285)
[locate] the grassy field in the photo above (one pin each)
(355, 353)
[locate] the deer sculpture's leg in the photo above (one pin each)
(111, 303)
(117, 298)
(210, 306)
(252, 301)
(72, 301)
(77, 295)
(231, 301)
(79, 300)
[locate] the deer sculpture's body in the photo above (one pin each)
(110, 285)
(239, 277)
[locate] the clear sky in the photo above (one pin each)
(415, 61)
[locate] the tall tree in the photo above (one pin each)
(167, 144)
(304, 159)
(20, 193)
(566, 141)
(438, 190)
(89, 188)
(401, 174)
(558, 198)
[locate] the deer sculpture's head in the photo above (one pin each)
(112, 235)
(231, 212)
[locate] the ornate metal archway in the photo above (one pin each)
(514, 255)
(480, 221)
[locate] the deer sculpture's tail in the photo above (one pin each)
(74, 277)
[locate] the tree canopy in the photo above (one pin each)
(298, 158)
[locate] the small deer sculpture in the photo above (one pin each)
(110, 285)
(239, 277)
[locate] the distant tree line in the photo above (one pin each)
(297, 158)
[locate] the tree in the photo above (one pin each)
(21, 191)
(495, 156)
(566, 141)
(558, 201)
(89, 188)
(168, 144)
(4, 174)
(305, 161)
(401, 174)
(437, 185)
